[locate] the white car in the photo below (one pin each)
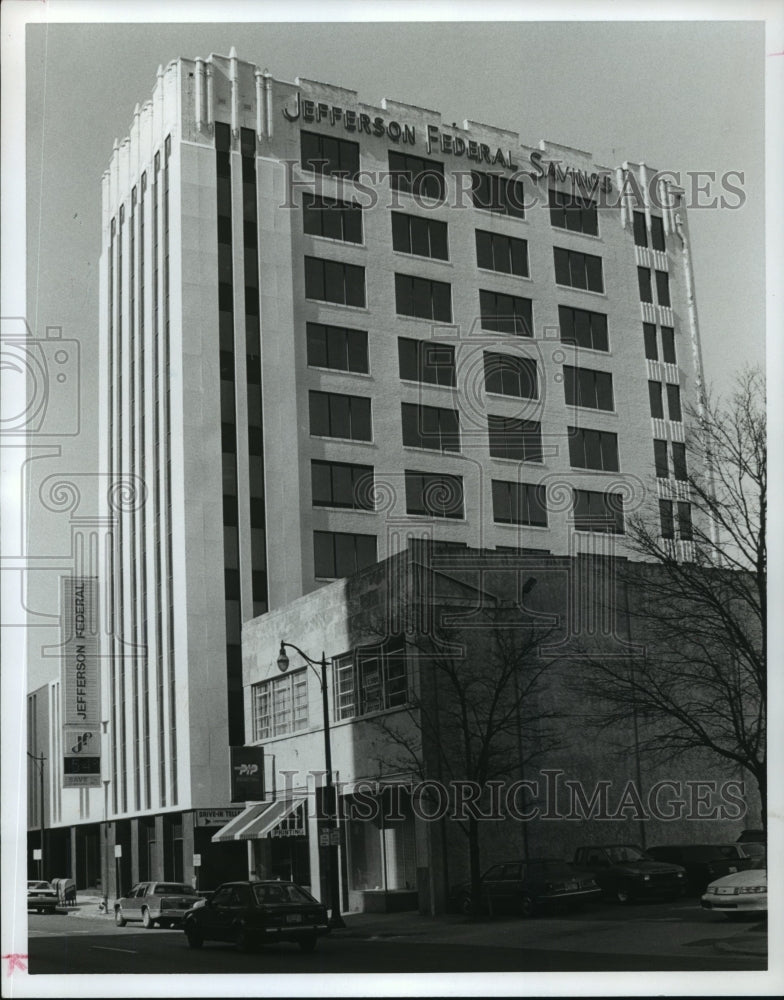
(738, 894)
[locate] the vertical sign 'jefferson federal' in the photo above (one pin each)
(81, 689)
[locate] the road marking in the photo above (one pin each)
(101, 947)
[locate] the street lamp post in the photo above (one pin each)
(330, 801)
(40, 764)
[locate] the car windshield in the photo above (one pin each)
(164, 888)
(722, 852)
(281, 892)
(620, 855)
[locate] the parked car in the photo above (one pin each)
(251, 914)
(625, 872)
(524, 886)
(42, 896)
(155, 903)
(704, 862)
(739, 895)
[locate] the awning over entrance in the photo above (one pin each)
(230, 830)
(268, 820)
(256, 820)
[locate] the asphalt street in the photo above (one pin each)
(649, 937)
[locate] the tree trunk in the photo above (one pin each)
(474, 869)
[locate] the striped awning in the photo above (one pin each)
(256, 820)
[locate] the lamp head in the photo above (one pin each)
(283, 660)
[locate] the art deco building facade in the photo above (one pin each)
(327, 327)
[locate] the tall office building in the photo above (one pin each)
(327, 327)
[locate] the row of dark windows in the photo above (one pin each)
(437, 428)
(493, 192)
(341, 553)
(425, 298)
(646, 286)
(662, 452)
(667, 343)
(674, 410)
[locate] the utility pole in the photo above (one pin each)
(40, 760)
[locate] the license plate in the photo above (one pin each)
(733, 869)
(571, 886)
(294, 918)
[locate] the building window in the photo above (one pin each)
(434, 494)
(416, 175)
(663, 288)
(583, 328)
(507, 254)
(280, 705)
(342, 484)
(590, 449)
(420, 236)
(337, 347)
(651, 348)
(334, 281)
(333, 414)
(519, 503)
(337, 553)
(679, 461)
(327, 155)
(644, 284)
(660, 458)
(572, 212)
(640, 229)
(506, 313)
(588, 387)
(657, 233)
(668, 345)
(667, 519)
(337, 220)
(598, 512)
(370, 679)
(423, 298)
(655, 399)
(511, 375)
(434, 427)
(684, 521)
(578, 270)
(425, 361)
(674, 402)
(497, 193)
(511, 437)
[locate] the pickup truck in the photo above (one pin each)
(625, 872)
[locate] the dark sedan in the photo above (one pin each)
(251, 914)
(704, 862)
(625, 872)
(525, 886)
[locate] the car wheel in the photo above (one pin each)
(195, 940)
(241, 938)
(527, 906)
(623, 893)
(464, 905)
(147, 922)
(308, 943)
(119, 919)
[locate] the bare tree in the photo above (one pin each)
(477, 706)
(699, 605)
